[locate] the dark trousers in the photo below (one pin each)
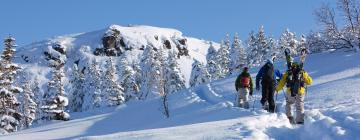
(268, 91)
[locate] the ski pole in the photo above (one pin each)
(276, 101)
(236, 97)
(284, 93)
(253, 107)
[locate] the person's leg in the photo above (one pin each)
(300, 108)
(263, 95)
(289, 102)
(271, 98)
(239, 99)
(246, 92)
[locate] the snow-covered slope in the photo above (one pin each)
(207, 112)
(80, 48)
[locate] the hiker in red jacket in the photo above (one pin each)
(244, 87)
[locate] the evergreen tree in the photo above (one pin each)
(150, 67)
(29, 105)
(212, 65)
(302, 44)
(223, 59)
(211, 52)
(199, 74)
(238, 56)
(55, 96)
(77, 89)
(38, 98)
(260, 47)
(128, 81)
(288, 40)
(9, 105)
(94, 97)
(173, 77)
(113, 90)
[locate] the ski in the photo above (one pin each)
(303, 54)
(288, 58)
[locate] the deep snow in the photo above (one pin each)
(207, 112)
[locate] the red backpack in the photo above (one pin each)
(245, 81)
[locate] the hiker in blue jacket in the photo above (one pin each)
(268, 77)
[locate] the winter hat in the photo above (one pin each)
(246, 69)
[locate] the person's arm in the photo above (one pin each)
(281, 83)
(259, 76)
(307, 79)
(237, 83)
(278, 74)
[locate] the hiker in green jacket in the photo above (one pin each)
(244, 87)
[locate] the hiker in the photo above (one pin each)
(244, 87)
(295, 92)
(268, 76)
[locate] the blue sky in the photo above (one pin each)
(34, 20)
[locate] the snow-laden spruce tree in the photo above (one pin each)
(302, 44)
(77, 92)
(260, 47)
(174, 80)
(38, 98)
(288, 40)
(9, 105)
(223, 59)
(94, 98)
(150, 66)
(128, 81)
(113, 91)
(55, 99)
(199, 74)
(212, 65)
(29, 106)
(238, 56)
(214, 69)
(211, 52)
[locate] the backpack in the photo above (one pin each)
(295, 81)
(268, 75)
(245, 81)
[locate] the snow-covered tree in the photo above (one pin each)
(174, 80)
(302, 44)
(29, 105)
(150, 67)
(223, 59)
(38, 98)
(315, 42)
(56, 101)
(199, 74)
(238, 56)
(211, 53)
(94, 97)
(260, 47)
(9, 105)
(128, 81)
(77, 91)
(114, 92)
(344, 33)
(212, 65)
(288, 40)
